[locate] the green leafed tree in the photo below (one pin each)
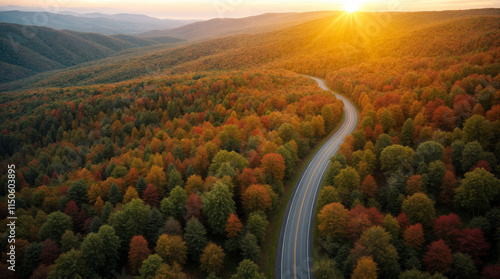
(247, 269)
(407, 133)
(478, 128)
(78, 192)
(57, 223)
(71, 265)
(236, 160)
(196, 238)
(115, 196)
(463, 267)
(69, 241)
(429, 151)
(377, 243)
(387, 120)
(101, 250)
(326, 269)
(347, 181)
(397, 158)
(218, 204)
(257, 224)
(472, 153)
(130, 221)
(150, 266)
(420, 209)
(477, 190)
(249, 247)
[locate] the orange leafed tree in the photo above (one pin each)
(333, 220)
(366, 268)
(256, 198)
(414, 236)
(233, 226)
(274, 167)
(369, 187)
(130, 194)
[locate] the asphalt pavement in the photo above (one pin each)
(294, 257)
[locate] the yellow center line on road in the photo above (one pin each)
(305, 194)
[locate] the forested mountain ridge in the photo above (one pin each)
(327, 43)
(30, 49)
(91, 22)
(223, 27)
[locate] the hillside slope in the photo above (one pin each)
(31, 49)
(93, 22)
(221, 27)
(313, 47)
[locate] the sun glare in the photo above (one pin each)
(351, 6)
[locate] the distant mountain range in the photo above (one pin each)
(26, 50)
(92, 22)
(326, 43)
(221, 27)
(90, 58)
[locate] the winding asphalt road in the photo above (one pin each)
(294, 257)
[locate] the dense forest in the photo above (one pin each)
(177, 172)
(414, 192)
(172, 164)
(27, 50)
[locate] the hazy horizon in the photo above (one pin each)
(207, 9)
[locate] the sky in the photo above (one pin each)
(205, 9)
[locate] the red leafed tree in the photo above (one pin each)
(473, 242)
(431, 107)
(369, 187)
(482, 164)
(448, 228)
(254, 158)
(83, 221)
(448, 188)
(414, 236)
(245, 179)
(193, 207)
(274, 167)
(138, 252)
(63, 190)
(72, 210)
(256, 198)
(151, 196)
(493, 114)
(403, 221)
(463, 105)
(361, 218)
(233, 226)
(490, 272)
(377, 131)
(46, 180)
(438, 257)
(50, 252)
(444, 118)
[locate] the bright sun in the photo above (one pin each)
(352, 5)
